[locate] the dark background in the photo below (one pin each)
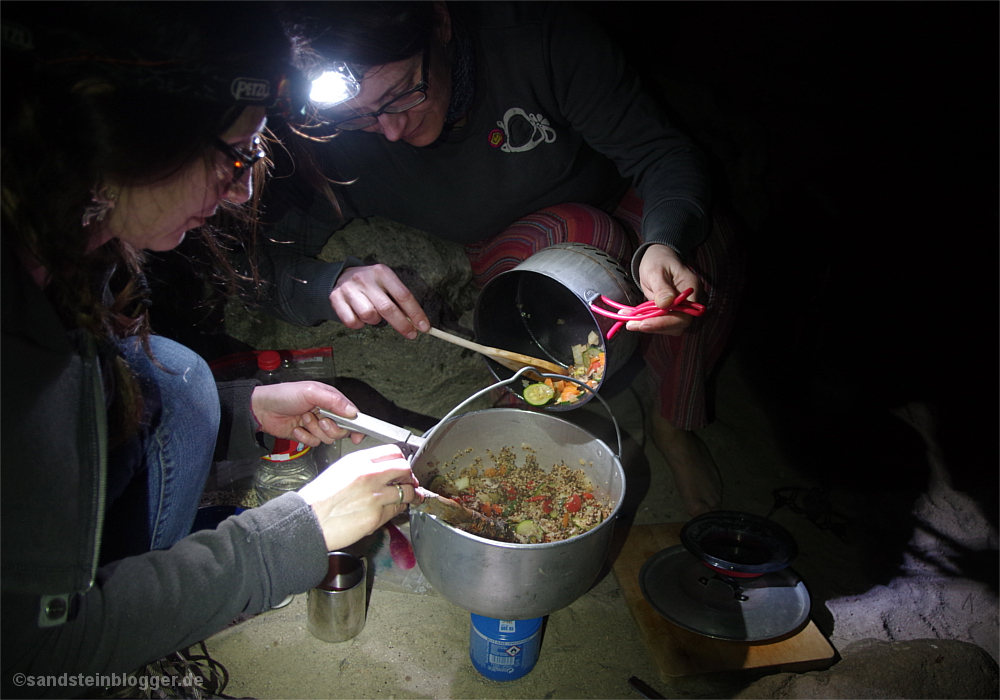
(859, 140)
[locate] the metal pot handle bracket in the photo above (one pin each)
(517, 374)
(409, 443)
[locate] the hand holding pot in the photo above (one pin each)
(662, 276)
(359, 493)
(285, 411)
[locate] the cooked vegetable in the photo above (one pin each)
(541, 506)
(539, 394)
(528, 529)
(587, 367)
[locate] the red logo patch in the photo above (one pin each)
(497, 138)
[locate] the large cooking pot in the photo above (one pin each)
(496, 579)
(541, 308)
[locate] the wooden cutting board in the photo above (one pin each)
(680, 652)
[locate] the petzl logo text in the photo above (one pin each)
(250, 89)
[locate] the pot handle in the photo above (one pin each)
(378, 429)
(452, 412)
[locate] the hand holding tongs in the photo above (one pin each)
(647, 309)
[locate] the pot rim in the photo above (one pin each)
(517, 545)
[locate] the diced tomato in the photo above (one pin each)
(540, 497)
(547, 506)
(574, 504)
(588, 496)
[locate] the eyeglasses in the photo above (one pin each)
(242, 161)
(408, 100)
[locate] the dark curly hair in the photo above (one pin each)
(368, 33)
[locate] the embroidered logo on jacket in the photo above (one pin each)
(520, 131)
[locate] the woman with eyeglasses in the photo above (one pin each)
(509, 128)
(126, 127)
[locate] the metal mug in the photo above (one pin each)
(337, 606)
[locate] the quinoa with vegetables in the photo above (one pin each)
(541, 506)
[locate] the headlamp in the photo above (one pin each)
(281, 89)
(335, 85)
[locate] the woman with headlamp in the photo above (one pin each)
(125, 126)
(507, 128)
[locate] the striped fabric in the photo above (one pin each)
(681, 365)
(564, 223)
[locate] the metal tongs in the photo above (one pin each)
(647, 309)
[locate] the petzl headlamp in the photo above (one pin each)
(280, 88)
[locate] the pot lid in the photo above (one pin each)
(683, 590)
(742, 543)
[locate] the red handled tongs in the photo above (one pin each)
(647, 309)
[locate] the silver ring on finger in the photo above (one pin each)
(401, 496)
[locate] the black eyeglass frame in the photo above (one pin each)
(363, 121)
(242, 161)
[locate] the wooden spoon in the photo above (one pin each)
(454, 513)
(510, 360)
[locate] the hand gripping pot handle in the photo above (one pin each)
(378, 429)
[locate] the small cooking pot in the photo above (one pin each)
(497, 579)
(541, 308)
(737, 544)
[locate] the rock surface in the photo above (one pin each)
(426, 375)
(921, 668)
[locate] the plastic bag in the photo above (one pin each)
(390, 554)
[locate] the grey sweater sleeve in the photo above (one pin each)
(144, 607)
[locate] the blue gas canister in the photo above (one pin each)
(503, 650)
